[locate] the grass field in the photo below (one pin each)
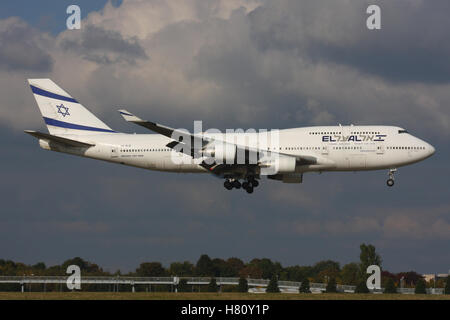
(209, 296)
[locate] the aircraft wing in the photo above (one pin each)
(180, 138)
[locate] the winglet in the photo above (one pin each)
(128, 116)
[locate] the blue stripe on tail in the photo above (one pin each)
(62, 124)
(52, 95)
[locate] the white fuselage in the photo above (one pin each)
(336, 148)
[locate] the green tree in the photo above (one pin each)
(85, 266)
(39, 266)
(410, 278)
(349, 274)
(447, 286)
(221, 268)
(297, 273)
(324, 270)
(385, 276)
(272, 287)
(304, 286)
(267, 267)
(251, 271)
(235, 265)
(331, 286)
(76, 261)
(361, 287)
(243, 285)
(212, 286)
(150, 269)
(204, 266)
(326, 265)
(181, 269)
(390, 286)
(420, 287)
(368, 257)
(183, 286)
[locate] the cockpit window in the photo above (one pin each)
(403, 131)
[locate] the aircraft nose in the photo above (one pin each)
(431, 149)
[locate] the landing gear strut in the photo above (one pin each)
(228, 185)
(253, 181)
(390, 181)
(248, 185)
(232, 183)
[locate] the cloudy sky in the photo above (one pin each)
(232, 64)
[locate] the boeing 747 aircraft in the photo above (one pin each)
(241, 159)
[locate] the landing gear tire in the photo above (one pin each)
(249, 189)
(255, 183)
(390, 181)
(236, 184)
(245, 185)
(228, 185)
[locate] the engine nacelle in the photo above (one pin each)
(44, 144)
(281, 164)
(288, 177)
(222, 152)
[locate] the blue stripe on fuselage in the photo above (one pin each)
(62, 124)
(52, 95)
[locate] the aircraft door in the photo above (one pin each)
(324, 148)
(379, 148)
(114, 152)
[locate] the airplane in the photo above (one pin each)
(240, 158)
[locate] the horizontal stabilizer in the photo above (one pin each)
(69, 142)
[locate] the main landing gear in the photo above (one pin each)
(248, 185)
(390, 181)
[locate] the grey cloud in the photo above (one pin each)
(21, 47)
(407, 223)
(283, 64)
(322, 51)
(266, 68)
(411, 46)
(391, 227)
(103, 46)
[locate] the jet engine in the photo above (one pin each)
(221, 152)
(279, 164)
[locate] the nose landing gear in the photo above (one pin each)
(390, 181)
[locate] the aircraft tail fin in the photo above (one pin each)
(62, 113)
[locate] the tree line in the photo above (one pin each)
(326, 271)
